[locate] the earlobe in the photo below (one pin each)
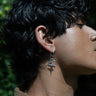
(43, 40)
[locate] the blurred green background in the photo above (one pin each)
(87, 84)
(7, 77)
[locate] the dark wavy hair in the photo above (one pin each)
(24, 17)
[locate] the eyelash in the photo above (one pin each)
(80, 25)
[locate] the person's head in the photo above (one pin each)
(37, 27)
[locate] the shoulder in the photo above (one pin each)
(18, 92)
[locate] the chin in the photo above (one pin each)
(88, 67)
(85, 70)
(88, 71)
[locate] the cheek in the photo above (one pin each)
(71, 49)
(74, 51)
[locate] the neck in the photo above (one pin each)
(57, 83)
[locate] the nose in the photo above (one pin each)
(93, 37)
(92, 33)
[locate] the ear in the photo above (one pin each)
(43, 40)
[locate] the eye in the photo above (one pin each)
(80, 25)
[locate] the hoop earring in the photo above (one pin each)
(51, 61)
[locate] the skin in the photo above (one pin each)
(78, 51)
(75, 55)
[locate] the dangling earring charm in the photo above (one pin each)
(51, 61)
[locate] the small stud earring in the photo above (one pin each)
(51, 61)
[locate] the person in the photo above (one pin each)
(51, 46)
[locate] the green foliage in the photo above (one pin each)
(7, 77)
(5, 6)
